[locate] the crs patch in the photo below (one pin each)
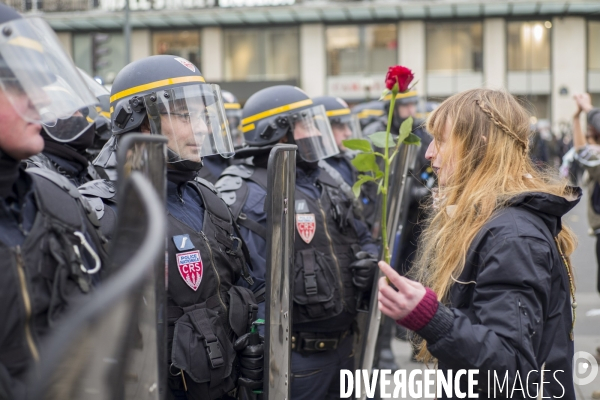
(190, 268)
(306, 225)
(186, 63)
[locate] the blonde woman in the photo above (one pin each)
(494, 282)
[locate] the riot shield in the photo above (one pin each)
(280, 264)
(113, 346)
(369, 323)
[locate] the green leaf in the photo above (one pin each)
(365, 162)
(412, 139)
(361, 179)
(358, 144)
(405, 129)
(378, 139)
(379, 175)
(383, 94)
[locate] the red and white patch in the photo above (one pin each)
(306, 225)
(190, 268)
(186, 63)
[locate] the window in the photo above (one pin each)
(537, 105)
(259, 55)
(454, 47)
(593, 80)
(184, 44)
(361, 50)
(99, 54)
(529, 46)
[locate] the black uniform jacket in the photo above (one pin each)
(511, 313)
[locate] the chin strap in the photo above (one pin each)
(175, 162)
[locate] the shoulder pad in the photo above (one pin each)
(39, 161)
(327, 179)
(100, 188)
(206, 183)
(242, 170)
(229, 183)
(57, 179)
(229, 198)
(97, 205)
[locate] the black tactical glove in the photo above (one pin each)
(363, 270)
(250, 349)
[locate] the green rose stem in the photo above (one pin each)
(386, 178)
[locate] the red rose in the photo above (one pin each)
(400, 74)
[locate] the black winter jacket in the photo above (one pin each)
(511, 311)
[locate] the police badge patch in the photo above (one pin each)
(186, 63)
(306, 225)
(190, 268)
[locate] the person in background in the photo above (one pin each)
(587, 152)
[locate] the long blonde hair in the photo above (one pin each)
(489, 143)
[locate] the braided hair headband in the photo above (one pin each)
(522, 142)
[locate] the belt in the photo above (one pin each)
(308, 342)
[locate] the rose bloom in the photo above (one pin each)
(400, 74)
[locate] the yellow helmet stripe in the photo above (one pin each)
(412, 93)
(369, 113)
(28, 43)
(248, 128)
(232, 106)
(335, 113)
(277, 110)
(154, 85)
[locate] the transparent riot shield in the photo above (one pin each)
(280, 264)
(112, 346)
(370, 322)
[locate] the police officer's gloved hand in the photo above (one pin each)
(363, 270)
(250, 349)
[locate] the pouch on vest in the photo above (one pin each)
(315, 288)
(204, 351)
(242, 309)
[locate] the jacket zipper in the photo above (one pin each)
(27, 304)
(335, 259)
(212, 263)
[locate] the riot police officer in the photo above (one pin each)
(368, 112)
(346, 125)
(209, 348)
(70, 158)
(329, 241)
(50, 252)
(422, 177)
(214, 165)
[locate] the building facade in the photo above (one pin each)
(543, 51)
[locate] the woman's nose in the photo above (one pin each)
(431, 151)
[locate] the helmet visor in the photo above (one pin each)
(313, 135)
(345, 127)
(193, 119)
(38, 78)
(234, 120)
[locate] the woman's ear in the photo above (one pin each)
(484, 138)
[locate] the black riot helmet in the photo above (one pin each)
(279, 112)
(168, 95)
(233, 111)
(39, 79)
(102, 121)
(368, 112)
(343, 123)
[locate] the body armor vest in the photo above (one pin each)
(325, 244)
(45, 274)
(206, 311)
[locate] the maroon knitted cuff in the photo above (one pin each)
(423, 312)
